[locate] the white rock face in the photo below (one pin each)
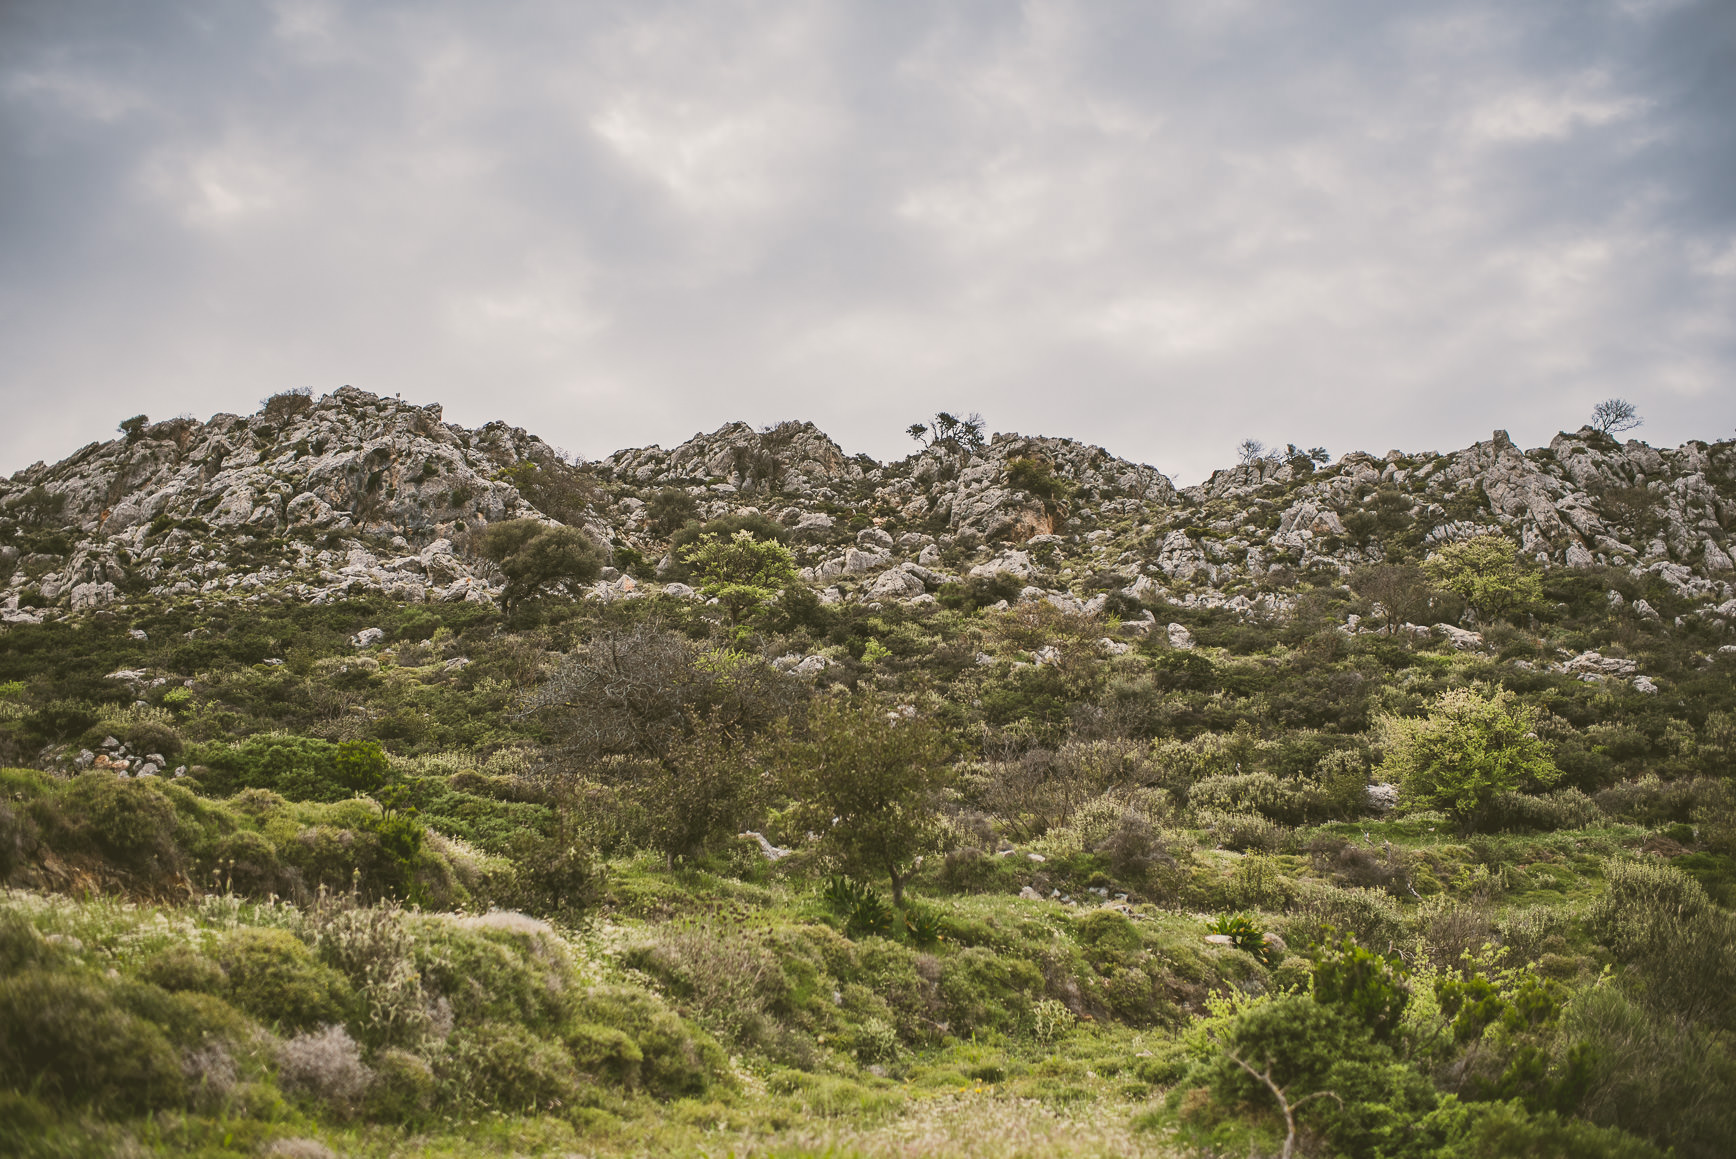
(1180, 637)
(369, 496)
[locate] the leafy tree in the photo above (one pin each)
(637, 692)
(723, 527)
(558, 489)
(743, 573)
(669, 509)
(532, 555)
(865, 779)
(699, 792)
(1472, 746)
(134, 428)
(1402, 592)
(361, 765)
(1487, 573)
(964, 436)
(1613, 415)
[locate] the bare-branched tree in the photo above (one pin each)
(1615, 414)
(1284, 1104)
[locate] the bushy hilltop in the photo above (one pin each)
(353, 493)
(369, 784)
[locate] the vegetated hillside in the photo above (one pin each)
(388, 787)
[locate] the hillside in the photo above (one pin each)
(380, 786)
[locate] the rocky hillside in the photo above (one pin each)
(349, 494)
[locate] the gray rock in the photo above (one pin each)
(1381, 796)
(857, 561)
(895, 584)
(872, 538)
(1460, 638)
(367, 637)
(1180, 637)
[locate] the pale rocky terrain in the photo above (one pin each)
(353, 494)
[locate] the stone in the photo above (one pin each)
(1381, 796)
(1180, 637)
(857, 561)
(367, 637)
(1030, 894)
(1645, 610)
(1460, 638)
(873, 538)
(1644, 684)
(679, 591)
(929, 556)
(1220, 940)
(93, 595)
(895, 584)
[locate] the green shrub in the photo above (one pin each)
(360, 765)
(247, 863)
(1307, 1047)
(131, 823)
(1367, 986)
(274, 977)
(981, 990)
(605, 1053)
(63, 1037)
(403, 1089)
(1684, 947)
(1374, 917)
(500, 1065)
(1243, 831)
(299, 768)
(1506, 1129)
(20, 945)
(183, 968)
(676, 1059)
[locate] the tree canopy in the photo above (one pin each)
(1487, 573)
(742, 573)
(867, 777)
(1472, 746)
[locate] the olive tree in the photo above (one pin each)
(1472, 746)
(865, 779)
(532, 555)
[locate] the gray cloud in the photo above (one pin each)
(1157, 227)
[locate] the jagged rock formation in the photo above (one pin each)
(349, 494)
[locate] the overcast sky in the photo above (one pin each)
(1157, 227)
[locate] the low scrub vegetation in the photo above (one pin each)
(626, 878)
